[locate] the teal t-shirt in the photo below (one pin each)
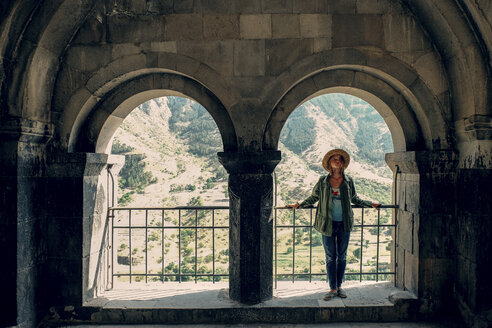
(336, 199)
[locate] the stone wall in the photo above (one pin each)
(69, 71)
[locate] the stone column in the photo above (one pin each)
(251, 226)
(426, 225)
(474, 232)
(22, 159)
(77, 227)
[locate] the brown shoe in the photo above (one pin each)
(329, 296)
(341, 293)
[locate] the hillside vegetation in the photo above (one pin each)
(170, 145)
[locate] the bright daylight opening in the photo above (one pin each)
(323, 123)
(162, 232)
(170, 219)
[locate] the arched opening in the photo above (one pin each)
(170, 222)
(323, 122)
(93, 131)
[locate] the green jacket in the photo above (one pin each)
(322, 194)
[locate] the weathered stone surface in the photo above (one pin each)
(277, 6)
(175, 30)
(249, 58)
(124, 29)
(285, 26)
(247, 7)
(220, 27)
(310, 6)
(218, 55)
(282, 53)
(316, 25)
(159, 6)
(406, 230)
(255, 26)
(362, 30)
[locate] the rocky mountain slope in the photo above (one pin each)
(177, 141)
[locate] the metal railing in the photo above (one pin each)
(359, 225)
(146, 227)
(135, 227)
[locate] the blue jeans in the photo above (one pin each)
(336, 254)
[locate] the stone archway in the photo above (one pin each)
(416, 132)
(92, 136)
(95, 133)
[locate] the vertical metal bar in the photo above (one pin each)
(276, 260)
(395, 239)
(179, 244)
(293, 245)
(130, 242)
(213, 246)
(310, 243)
(162, 247)
(112, 248)
(196, 242)
(146, 244)
(377, 249)
(361, 242)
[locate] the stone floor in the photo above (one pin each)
(321, 325)
(207, 295)
(368, 305)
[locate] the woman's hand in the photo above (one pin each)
(292, 206)
(376, 205)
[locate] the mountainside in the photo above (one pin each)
(171, 144)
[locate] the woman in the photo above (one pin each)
(334, 216)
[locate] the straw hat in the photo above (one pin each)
(333, 152)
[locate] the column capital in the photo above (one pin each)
(81, 164)
(263, 162)
(423, 161)
(24, 130)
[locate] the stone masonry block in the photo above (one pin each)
(220, 27)
(316, 25)
(217, 54)
(321, 44)
(249, 58)
(125, 29)
(124, 49)
(255, 26)
(373, 6)
(358, 30)
(411, 272)
(159, 7)
(310, 6)
(282, 53)
(285, 26)
(184, 27)
(88, 58)
(93, 30)
(403, 34)
(342, 6)
(168, 46)
(184, 7)
(277, 6)
(406, 230)
(247, 7)
(216, 6)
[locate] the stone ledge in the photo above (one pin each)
(367, 301)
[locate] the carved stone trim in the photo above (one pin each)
(250, 162)
(25, 130)
(479, 127)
